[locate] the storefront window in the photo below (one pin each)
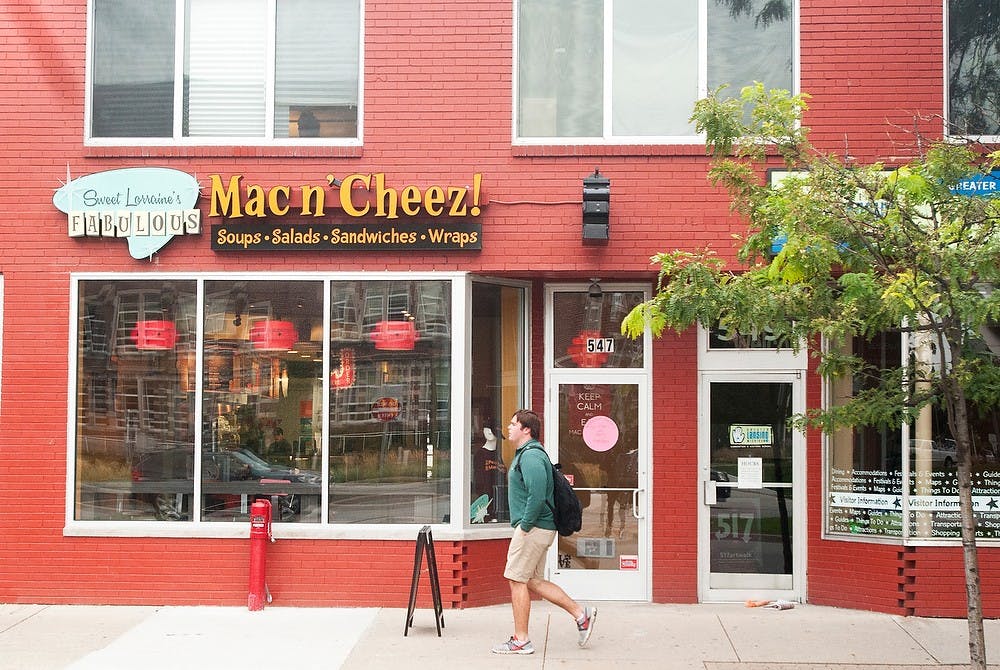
(135, 413)
(866, 467)
(263, 357)
(597, 342)
(353, 428)
(497, 371)
(390, 402)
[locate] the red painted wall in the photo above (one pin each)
(437, 109)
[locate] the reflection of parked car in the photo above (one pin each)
(943, 452)
(244, 465)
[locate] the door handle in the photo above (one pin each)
(635, 502)
(711, 493)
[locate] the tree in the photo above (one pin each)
(839, 250)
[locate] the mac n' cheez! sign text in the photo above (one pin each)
(381, 236)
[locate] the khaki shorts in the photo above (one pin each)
(526, 555)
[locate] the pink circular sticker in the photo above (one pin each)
(600, 433)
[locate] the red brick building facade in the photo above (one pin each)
(445, 101)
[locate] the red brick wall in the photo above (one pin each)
(437, 109)
(675, 470)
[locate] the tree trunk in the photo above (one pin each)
(960, 431)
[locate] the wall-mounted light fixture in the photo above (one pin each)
(596, 206)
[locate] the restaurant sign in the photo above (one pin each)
(372, 215)
(147, 206)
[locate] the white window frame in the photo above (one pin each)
(455, 529)
(946, 74)
(608, 137)
(267, 139)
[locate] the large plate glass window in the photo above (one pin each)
(262, 389)
(248, 69)
(611, 69)
(867, 467)
(390, 401)
(497, 391)
(135, 410)
(973, 68)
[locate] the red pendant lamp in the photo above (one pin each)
(270, 335)
(154, 335)
(394, 335)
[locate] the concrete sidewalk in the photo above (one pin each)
(627, 635)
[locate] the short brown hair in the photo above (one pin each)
(529, 420)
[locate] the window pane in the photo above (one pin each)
(133, 68)
(497, 367)
(262, 395)
(560, 68)
(745, 46)
(316, 68)
(390, 402)
(974, 67)
(587, 330)
(224, 70)
(864, 465)
(655, 77)
(135, 413)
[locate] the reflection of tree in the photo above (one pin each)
(974, 66)
(771, 11)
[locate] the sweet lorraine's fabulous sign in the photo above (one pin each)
(145, 206)
(287, 218)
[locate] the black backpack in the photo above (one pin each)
(568, 512)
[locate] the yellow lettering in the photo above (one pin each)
(456, 194)
(346, 188)
(386, 198)
(409, 200)
(255, 201)
(313, 195)
(229, 200)
(433, 200)
(272, 200)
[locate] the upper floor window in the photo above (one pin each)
(974, 67)
(215, 71)
(631, 70)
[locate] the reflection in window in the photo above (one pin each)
(866, 468)
(310, 49)
(262, 390)
(653, 65)
(262, 417)
(390, 402)
(497, 333)
(587, 330)
(135, 417)
(866, 460)
(974, 67)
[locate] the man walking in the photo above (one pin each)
(529, 493)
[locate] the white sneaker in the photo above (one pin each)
(513, 646)
(586, 629)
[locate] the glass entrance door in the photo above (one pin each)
(601, 439)
(750, 537)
